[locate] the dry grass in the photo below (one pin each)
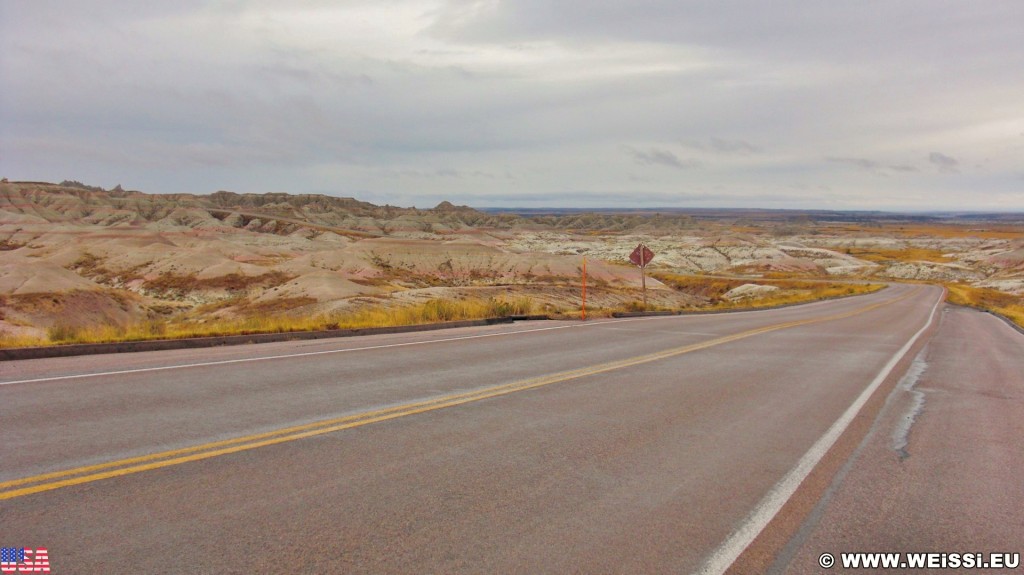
(91, 266)
(11, 340)
(796, 292)
(933, 230)
(371, 281)
(988, 232)
(713, 290)
(280, 305)
(947, 231)
(888, 256)
(174, 283)
(795, 296)
(988, 299)
(701, 286)
(436, 310)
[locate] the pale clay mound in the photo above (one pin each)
(28, 277)
(1013, 286)
(747, 291)
(931, 271)
(695, 254)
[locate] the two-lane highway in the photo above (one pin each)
(635, 445)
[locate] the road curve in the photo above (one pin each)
(633, 445)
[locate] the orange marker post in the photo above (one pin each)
(583, 315)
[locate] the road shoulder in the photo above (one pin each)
(940, 469)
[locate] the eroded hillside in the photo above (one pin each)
(73, 255)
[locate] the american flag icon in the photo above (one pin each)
(24, 560)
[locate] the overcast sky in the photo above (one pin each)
(886, 104)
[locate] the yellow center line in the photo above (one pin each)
(90, 473)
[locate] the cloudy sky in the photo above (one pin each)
(889, 104)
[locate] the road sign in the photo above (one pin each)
(641, 256)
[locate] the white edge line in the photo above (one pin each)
(270, 357)
(324, 352)
(367, 348)
(724, 556)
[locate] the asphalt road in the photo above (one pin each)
(646, 445)
(941, 469)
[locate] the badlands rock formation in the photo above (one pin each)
(71, 253)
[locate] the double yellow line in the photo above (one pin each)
(90, 473)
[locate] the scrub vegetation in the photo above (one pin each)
(1007, 305)
(435, 310)
(431, 311)
(789, 291)
(909, 254)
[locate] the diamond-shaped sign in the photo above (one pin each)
(641, 256)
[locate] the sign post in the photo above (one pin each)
(640, 257)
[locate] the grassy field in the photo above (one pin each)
(987, 299)
(790, 291)
(888, 256)
(935, 230)
(260, 320)
(711, 290)
(432, 311)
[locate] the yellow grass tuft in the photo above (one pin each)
(11, 340)
(435, 310)
(988, 299)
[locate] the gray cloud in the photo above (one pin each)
(903, 168)
(734, 146)
(660, 157)
(724, 146)
(787, 28)
(862, 163)
(945, 163)
(444, 173)
(872, 165)
(408, 100)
